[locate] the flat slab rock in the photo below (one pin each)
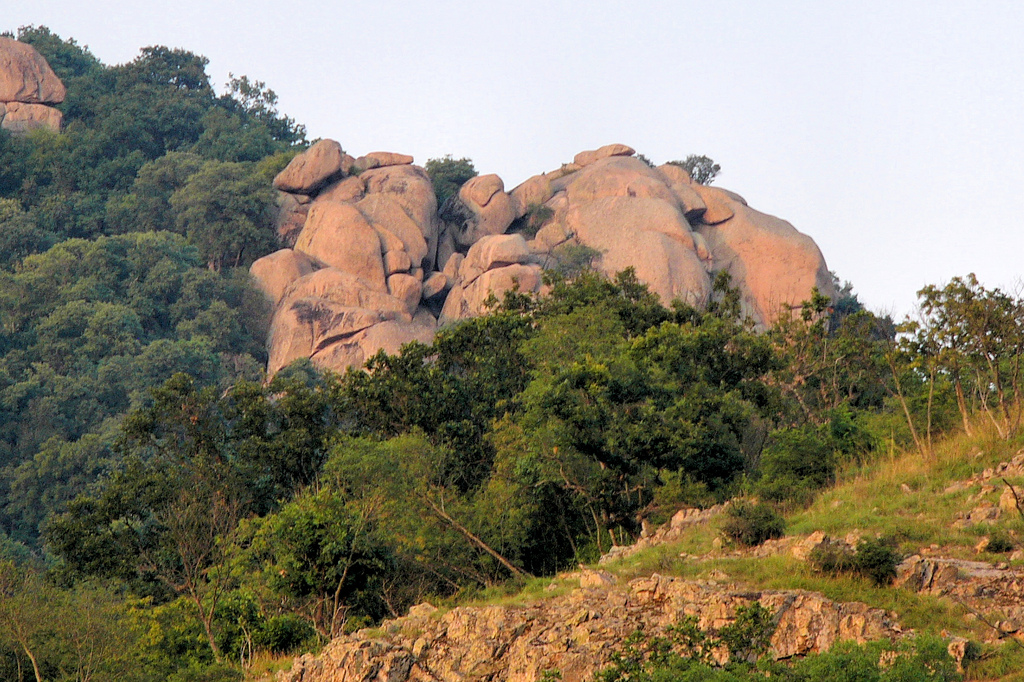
(576, 633)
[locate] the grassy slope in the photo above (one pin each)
(870, 500)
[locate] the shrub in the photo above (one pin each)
(751, 524)
(875, 559)
(999, 543)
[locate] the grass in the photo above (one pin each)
(898, 494)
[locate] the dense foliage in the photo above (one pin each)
(165, 506)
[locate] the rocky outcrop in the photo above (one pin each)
(27, 87)
(376, 218)
(577, 633)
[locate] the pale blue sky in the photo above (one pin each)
(891, 132)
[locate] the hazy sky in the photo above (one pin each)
(891, 132)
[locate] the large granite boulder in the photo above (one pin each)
(338, 235)
(25, 76)
(312, 169)
(774, 266)
(19, 118)
(27, 86)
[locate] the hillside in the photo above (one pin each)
(941, 513)
(259, 398)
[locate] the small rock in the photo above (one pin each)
(596, 579)
(422, 610)
(1007, 501)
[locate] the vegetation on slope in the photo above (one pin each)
(167, 516)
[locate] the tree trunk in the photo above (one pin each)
(474, 539)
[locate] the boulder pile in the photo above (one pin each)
(28, 86)
(372, 262)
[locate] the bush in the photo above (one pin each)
(751, 524)
(999, 543)
(875, 559)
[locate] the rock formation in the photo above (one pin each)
(575, 634)
(373, 262)
(27, 87)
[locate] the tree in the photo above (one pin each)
(975, 336)
(702, 169)
(321, 557)
(448, 175)
(225, 210)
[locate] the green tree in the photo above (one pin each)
(225, 209)
(448, 175)
(702, 169)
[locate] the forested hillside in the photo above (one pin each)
(167, 514)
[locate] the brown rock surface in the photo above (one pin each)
(396, 261)
(718, 204)
(407, 289)
(576, 634)
(534, 192)
(291, 216)
(772, 264)
(20, 118)
(380, 160)
(493, 251)
(487, 210)
(339, 236)
(435, 284)
(690, 201)
(411, 188)
(649, 235)
(387, 214)
(345, 190)
(589, 157)
(276, 272)
(312, 169)
(468, 300)
(618, 176)
(344, 289)
(25, 76)
(479, 190)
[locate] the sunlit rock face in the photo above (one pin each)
(28, 86)
(372, 262)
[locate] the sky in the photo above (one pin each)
(890, 132)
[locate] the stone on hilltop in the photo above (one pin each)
(385, 213)
(312, 169)
(480, 189)
(534, 192)
(486, 210)
(406, 289)
(718, 204)
(678, 180)
(26, 77)
(494, 251)
(276, 272)
(586, 158)
(345, 190)
(774, 266)
(618, 176)
(338, 235)
(380, 160)
(410, 187)
(19, 118)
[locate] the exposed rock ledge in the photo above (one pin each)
(576, 633)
